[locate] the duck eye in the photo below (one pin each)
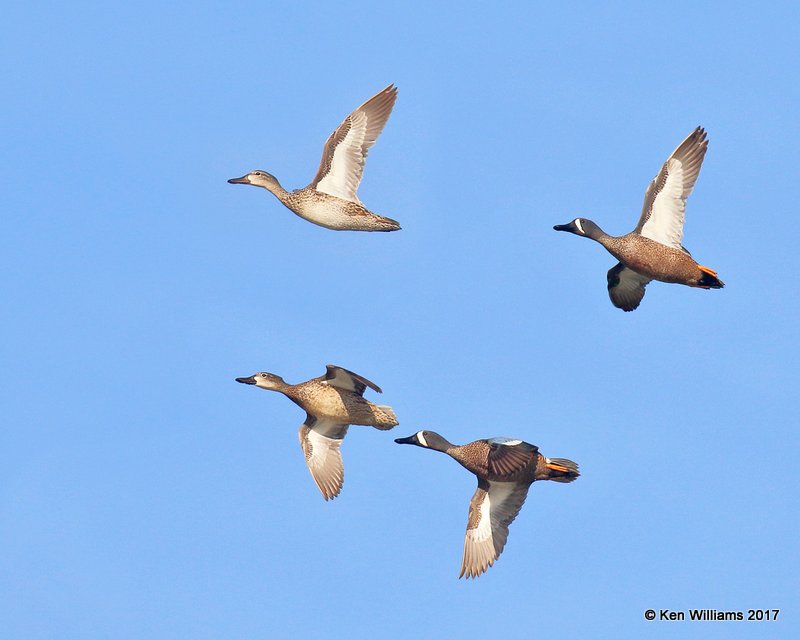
(263, 375)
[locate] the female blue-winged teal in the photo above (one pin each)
(330, 200)
(505, 469)
(332, 403)
(653, 250)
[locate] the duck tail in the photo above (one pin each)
(387, 224)
(386, 417)
(562, 470)
(709, 279)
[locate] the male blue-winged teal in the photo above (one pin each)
(332, 403)
(330, 200)
(653, 250)
(505, 469)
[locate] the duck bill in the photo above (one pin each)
(250, 380)
(558, 227)
(408, 440)
(242, 180)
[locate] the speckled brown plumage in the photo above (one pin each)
(330, 200)
(323, 400)
(653, 250)
(505, 470)
(332, 402)
(334, 213)
(655, 260)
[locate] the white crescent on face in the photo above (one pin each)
(421, 439)
(579, 225)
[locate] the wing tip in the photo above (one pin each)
(697, 138)
(356, 376)
(627, 307)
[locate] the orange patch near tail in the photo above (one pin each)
(710, 272)
(557, 467)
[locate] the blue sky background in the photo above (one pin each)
(144, 494)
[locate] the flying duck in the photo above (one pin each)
(330, 200)
(505, 468)
(332, 403)
(653, 250)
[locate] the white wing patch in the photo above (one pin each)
(484, 543)
(664, 210)
(668, 213)
(321, 445)
(478, 546)
(346, 150)
(347, 163)
(509, 442)
(483, 531)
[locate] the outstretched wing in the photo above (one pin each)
(625, 287)
(320, 440)
(345, 151)
(349, 381)
(493, 507)
(508, 456)
(664, 207)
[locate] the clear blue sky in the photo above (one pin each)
(145, 494)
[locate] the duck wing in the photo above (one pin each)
(664, 208)
(348, 381)
(508, 457)
(493, 507)
(345, 151)
(320, 440)
(625, 287)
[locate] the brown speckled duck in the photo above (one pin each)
(332, 403)
(330, 200)
(653, 250)
(505, 468)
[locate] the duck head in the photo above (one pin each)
(426, 440)
(264, 380)
(258, 178)
(581, 227)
